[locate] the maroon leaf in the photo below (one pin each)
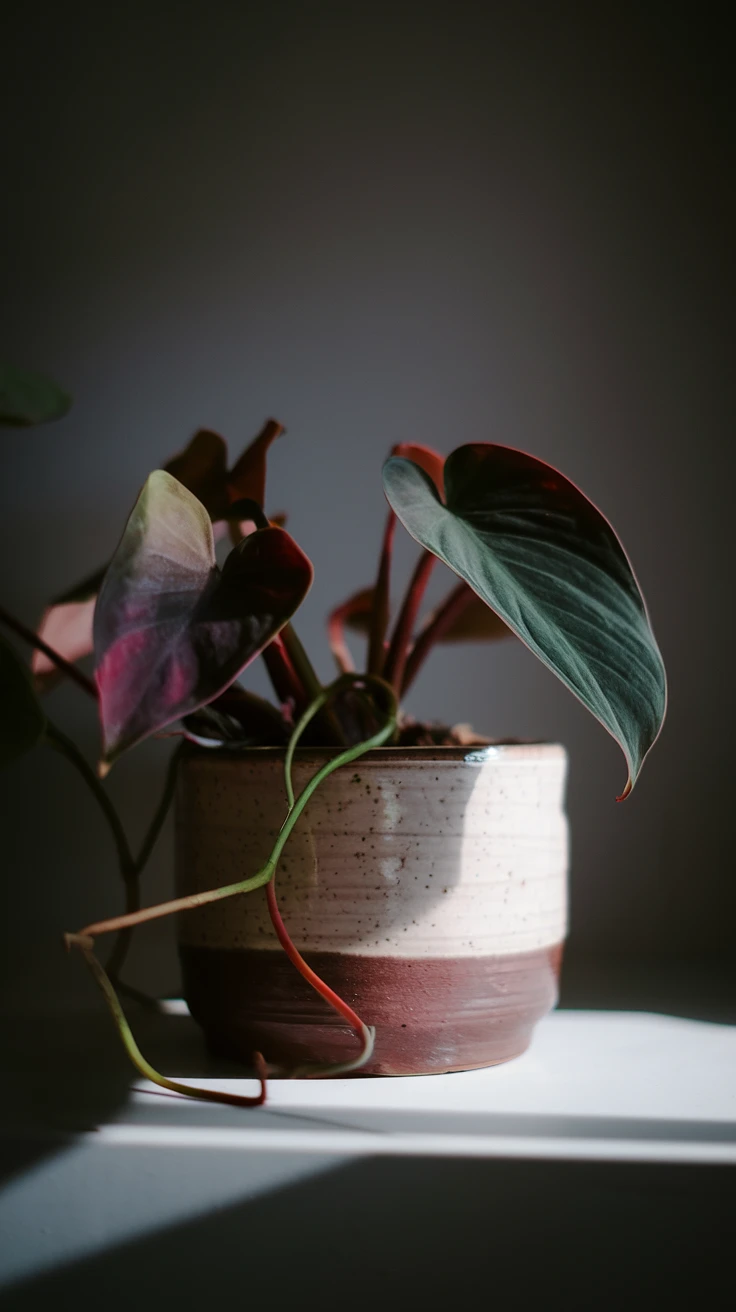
(247, 478)
(172, 631)
(355, 613)
(202, 468)
(475, 622)
(432, 463)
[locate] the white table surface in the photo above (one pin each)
(595, 1087)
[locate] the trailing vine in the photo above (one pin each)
(84, 940)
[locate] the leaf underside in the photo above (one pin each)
(541, 555)
(171, 630)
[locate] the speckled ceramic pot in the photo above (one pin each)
(427, 886)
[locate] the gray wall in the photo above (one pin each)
(438, 222)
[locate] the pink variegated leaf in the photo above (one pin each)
(68, 629)
(171, 630)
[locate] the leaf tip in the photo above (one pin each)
(103, 768)
(629, 785)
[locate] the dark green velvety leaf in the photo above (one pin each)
(22, 722)
(171, 630)
(29, 398)
(429, 460)
(537, 551)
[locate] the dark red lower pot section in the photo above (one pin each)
(431, 1016)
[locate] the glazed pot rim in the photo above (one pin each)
(501, 749)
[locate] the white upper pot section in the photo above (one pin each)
(408, 852)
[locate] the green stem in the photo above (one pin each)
(84, 941)
(189, 903)
(144, 1067)
(313, 688)
(121, 946)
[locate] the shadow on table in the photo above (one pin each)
(68, 1073)
(409, 1232)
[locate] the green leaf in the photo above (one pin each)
(540, 554)
(28, 398)
(22, 722)
(171, 630)
(426, 457)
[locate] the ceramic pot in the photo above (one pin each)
(427, 886)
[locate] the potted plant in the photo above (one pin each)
(421, 868)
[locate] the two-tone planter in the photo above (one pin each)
(427, 886)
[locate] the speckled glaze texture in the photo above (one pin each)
(426, 885)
